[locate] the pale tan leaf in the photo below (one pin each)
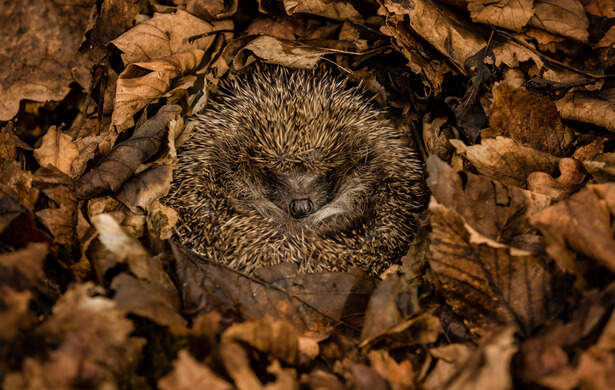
(561, 17)
(597, 108)
(337, 10)
(57, 149)
(510, 14)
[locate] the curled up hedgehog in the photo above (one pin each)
(296, 166)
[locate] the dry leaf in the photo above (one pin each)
(57, 150)
(489, 366)
(14, 315)
(487, 282)
(505, 160)
(139, 192)
(337, 10)
(493, 209)
(122, 162)
(597, 108)
(601, 167)
(237, 364)
(510, 14)
(399, 375)
(23, 269)
(571, 177)
(451, 359)
(61, 217)
(275, 338)
(211, 10)
(312, 303)
(527, 118)
(561, 17)
(276, 51)
(189, 374)
(39, 44)
(583, 223)
(165, 35)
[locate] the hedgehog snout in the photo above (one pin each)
(300, 208)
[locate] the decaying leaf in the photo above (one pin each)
(338, 10)
(298, 299)
(505, 160)
(23, 268)
(583, 223)
(276, 51)
(572, 174)
(496, 211)
(561, 17)
(527, 118)
(488, 282)
(189, 374)
(57, 150)
(597, 108)
(143, 189)
(39, 47)
(513, 15)
(601, 167)
(165, 35)
(122, 162)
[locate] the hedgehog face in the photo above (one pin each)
(300, 194)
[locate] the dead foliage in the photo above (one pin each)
(509, 283)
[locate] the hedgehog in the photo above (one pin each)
(296, 166)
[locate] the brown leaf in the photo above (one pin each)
(399, 375)
(597, 108)
(422, 329)
(122, 162)
(510, 14)
(596, 369)
(337, 10)
(14, 314)
(211, 10)
(23, 269)
(451, 359)
(488, 368)
(601, 167)
(127, 249)
(275, 338)
(60, 218)
(57, 150)
(115, 17)
(505, 160)
(583, 223)
(39, 44)
(165, 35)
(96, 326)
(527, 118)
(148, 300)
(561, 17)
(189, 374)
(571, 178)
(139, 192)
(487, 282)
(440, 27)
(237, 364)
(298, 299)
(493, 209)
(276, 51)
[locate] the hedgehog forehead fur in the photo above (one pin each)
(296, 166)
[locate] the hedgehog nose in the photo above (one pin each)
(301, 208)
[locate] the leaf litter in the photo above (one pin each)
(509, 283)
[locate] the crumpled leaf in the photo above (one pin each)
(189, 374)
(510, 14)
(298, 299)
(488, 368)
(571, 177)
(61, 218)
(211, 10)
(451, 358)
(440, 27)
(165, 35)
(491, 283)
(39, 44)
(122, 162)
(527, 118)
(139, 192)
(601, 167)
(337, 10)
(583, 223)
(597, 108)
(57, 150)
(505, 160)
(276, 51)
(96, 328)
(561, 17)
(23, 269)
(494, 210)
(275, 338)
(398, 375)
